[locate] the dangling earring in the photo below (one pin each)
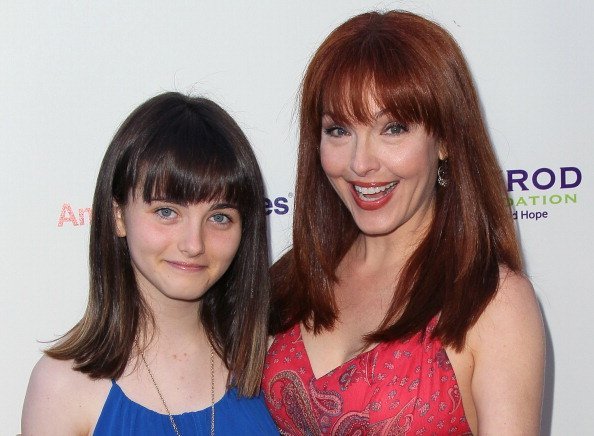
(442, 173)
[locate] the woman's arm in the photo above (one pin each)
(60, 401)
(508, 349)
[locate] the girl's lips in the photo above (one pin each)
(372, 196)
(191, 267)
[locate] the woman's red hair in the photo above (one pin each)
(415, 71)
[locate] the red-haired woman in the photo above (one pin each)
(402, 307)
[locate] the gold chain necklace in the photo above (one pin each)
(212, 394)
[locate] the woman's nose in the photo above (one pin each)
(364, 159)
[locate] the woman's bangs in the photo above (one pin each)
(375, 77)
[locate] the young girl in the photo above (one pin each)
(174, 335)
(402, 307)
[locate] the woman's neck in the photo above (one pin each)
(392, 250)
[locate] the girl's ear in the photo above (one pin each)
(118, 215)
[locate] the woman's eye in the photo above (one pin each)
(220, 218)
(166, 213)
(336, 131)
(395, 129)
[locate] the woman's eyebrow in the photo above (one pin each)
(376, 115)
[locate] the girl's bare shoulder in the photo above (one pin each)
(61, 400)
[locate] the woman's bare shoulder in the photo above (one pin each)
(514, 309)
(511, 328)
(515, 289)
(61, 400)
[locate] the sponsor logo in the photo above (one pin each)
(542, 189)
(278, 205)
(73, 216)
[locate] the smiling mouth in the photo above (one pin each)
(186, 266)
(374, 193)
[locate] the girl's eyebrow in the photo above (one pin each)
(166, 200)
(223, 206)
(215, 206)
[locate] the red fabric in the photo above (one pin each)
(397, 388)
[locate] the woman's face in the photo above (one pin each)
(178, 251)
(384, 172)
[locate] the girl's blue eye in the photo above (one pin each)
(220, 218)
(166, 212)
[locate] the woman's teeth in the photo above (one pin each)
(373, 190)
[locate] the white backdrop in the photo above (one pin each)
(71, 71)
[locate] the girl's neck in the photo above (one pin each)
(178, 354)
(175, 325)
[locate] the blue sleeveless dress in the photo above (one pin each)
(234, 415)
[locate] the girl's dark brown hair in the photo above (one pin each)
(187, 150)
(414, 70)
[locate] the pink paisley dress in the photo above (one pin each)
(396, 388)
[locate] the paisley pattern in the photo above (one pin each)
(397, 388)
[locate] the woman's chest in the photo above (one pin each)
(395, 387)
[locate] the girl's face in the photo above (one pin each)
(384, 172)
(178, 251)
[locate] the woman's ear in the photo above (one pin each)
(442, 153)
(118, 215)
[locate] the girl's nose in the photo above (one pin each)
(191, 240)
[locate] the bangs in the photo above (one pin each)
(376, 68)
(186, 182)
(189, 162)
